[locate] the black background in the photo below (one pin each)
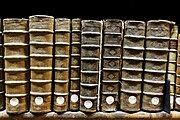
(122, 9)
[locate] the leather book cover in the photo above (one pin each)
(62, 57)
(41, 29)
(111, 64)
(75, 64)
(91, 38)
(16, 64)
(156, 62)
(132, 65)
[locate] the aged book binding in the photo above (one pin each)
(2, 98)
(156, 61)
(41, 28)
(16, 64)
(75, 64)
(62, 53)
(177, 85)
(111, 64)
(172, 61)
(132, 65)
(91, 38)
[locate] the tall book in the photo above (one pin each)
(91, 38)
(177, 89)
(16, 61)
(172, 61)
(111, 64)
(156, 60)
(75, 64)
(132, 65)
(2, 98)
(62, 53)
(41, 29)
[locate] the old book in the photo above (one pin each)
(172, 61)
(132, 65)
(41, 28)
(62, 53)
(16, 61)
(156, 62)
(177, 82)
(91, 38)
(2, 98)
(111, 64)
(75, 64)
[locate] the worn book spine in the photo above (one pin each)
(111, 64)
(16, 61)
(177, 85)
(41, 29)
(62, 53)
(2, 94)
(91, 38)
(172, 61)
(132, 65)
(75, 64)
(156, 61)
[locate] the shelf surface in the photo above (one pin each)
(98, 115)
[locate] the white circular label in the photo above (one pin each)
(155, 100)
(60, 100)
(14, 101)
(88, 104)
(171, 99)
(109, 100)
(178, 101)
(74, 98)
(39, 100)
(132, 99)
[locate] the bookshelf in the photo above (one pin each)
(97, 115)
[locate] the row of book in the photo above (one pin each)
(60, 64)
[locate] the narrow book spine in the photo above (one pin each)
(62, 56)
(132, 65)
(2, 94)
(172, 61)
(156, 62)
(111, 64)
(41, 29)
(75, 64)
(177, 85)
(91, 38)
(16, 61)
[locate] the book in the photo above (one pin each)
(177, 85)
(132, 65)
(91, 41)
(172, 61)
(41, 29)
(16, 64)
(75, 64)
(2, 89)
(62, 56)
(111, 64)
(156, 61)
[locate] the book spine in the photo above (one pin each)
(16, 61)
(41, 29)
(172, 61)
(75, 64)
(91, 38)
(132, 65)
(111, 64)
(62, 53)
(2, 94)
(156, 61)
(177, 85)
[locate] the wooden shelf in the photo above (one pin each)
(81, 115)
